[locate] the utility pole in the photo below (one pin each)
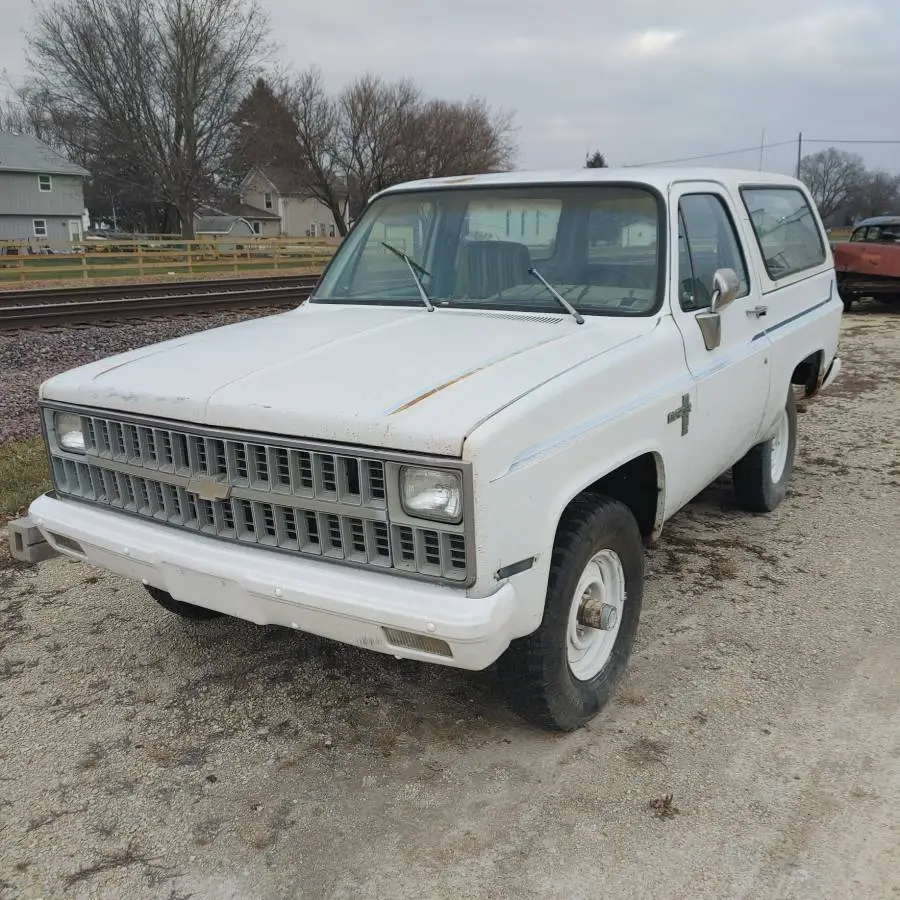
(762, 145)
(799, 151)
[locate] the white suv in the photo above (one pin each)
(455, 450)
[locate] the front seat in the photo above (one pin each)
(487, 268)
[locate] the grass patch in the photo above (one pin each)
(23, 475)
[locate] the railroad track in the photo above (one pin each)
(77, 306)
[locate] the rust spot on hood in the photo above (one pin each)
(434, 391)
(493, 362)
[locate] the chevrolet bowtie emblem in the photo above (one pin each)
(207, 488)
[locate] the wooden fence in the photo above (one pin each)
(22, 262)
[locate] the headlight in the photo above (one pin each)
(431, 494)
(69, 435)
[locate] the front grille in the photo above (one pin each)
(311, 502)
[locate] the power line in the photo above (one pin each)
(758, 148)
(754, 149)
(823, 141)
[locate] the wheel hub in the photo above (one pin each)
(594, 613)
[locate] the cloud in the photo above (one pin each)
(653, 42)
(640, 81)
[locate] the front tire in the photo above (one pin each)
(761, 478)
(179, 608)
(562, 675)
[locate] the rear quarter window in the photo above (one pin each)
(786, 230)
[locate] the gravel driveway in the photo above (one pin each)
(754, 750)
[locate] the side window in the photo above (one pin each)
(707, 241)
(786, 230)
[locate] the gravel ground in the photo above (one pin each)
(753, 751)
(29, 357)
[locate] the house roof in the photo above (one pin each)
(23, 153)
(217, 224)
(246, 211)
(289, 182)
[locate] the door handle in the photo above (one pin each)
(758, 311)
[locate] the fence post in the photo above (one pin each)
(84, 265)
(140, 255)
(190, 257)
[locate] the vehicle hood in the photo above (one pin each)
(399, 378)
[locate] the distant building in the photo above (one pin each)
(282, 193)
(211, 222)
(41, 193)
(262, 222)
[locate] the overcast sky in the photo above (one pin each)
(650, 81)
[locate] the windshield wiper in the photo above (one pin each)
(557, 295)
(412, 266)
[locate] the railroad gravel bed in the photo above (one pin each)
(27, 358)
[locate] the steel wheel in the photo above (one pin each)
(780, 446)
(595, 615)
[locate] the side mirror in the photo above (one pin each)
(726, 285)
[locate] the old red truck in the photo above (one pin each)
(868, 264)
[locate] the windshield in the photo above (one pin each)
(599, 246)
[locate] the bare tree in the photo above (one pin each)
(877, 194)
(317, 130)
(14, 117)
(157, 81)
(832, 176)
(595, 160)
(376, 133)
(453, 138)
(375, 128)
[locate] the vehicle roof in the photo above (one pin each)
(879, 220)
(660, 178)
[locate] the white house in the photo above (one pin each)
(282, 193)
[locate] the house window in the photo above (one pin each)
(312, 230)
(256, 228)
(45, 184)
(40, 227)
(268, 201)
(331, 230)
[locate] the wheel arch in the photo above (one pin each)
(809, 373)
(639, 483)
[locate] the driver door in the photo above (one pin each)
(731, 378)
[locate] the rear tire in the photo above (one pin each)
(761, 478)
(179, 608)
(562, 675)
